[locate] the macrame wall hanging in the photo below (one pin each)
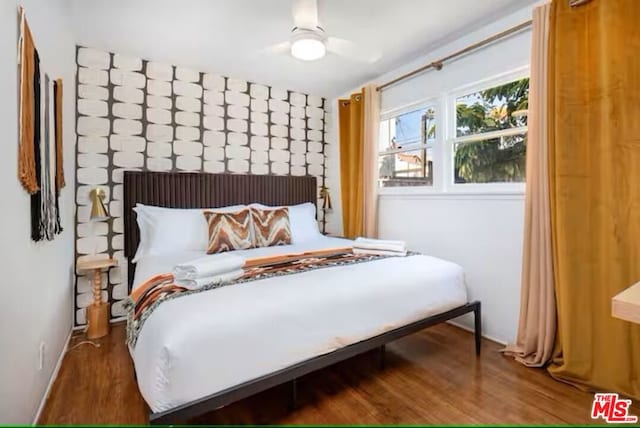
(40, 163)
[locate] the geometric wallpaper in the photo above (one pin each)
(134, 114)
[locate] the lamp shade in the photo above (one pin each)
(308, 49)
(307, 45)
(98, 210)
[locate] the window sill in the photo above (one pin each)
(508, 192)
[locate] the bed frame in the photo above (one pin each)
(200, 190)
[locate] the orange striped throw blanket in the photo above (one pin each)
(161, 288)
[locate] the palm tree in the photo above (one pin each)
(497, 159)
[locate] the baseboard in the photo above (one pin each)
(491, 338)
(53, 377)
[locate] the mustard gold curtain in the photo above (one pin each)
(594, 172)
(351, 124)
(359, 122)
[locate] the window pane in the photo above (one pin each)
(384, 139)
(497, 160)
(411, 168)
(496, 108)
(418, 126)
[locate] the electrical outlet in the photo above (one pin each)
(41, 356)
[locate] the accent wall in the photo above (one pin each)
(134, 114)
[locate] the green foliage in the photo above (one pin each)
(495, 160)
(486, 162)
(472, 118)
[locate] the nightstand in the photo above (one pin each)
(98, 311)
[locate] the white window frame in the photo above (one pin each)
(442, 148)
(432, 102)
(452, 138)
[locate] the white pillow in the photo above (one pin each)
(168, 230)
(302, 220)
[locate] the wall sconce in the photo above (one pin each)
(326, 206)
(98, 210)
(326, 198)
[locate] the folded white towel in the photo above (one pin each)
(224, 278)
(208, 266)
(379, 241)
(379, 252)
(380, 244)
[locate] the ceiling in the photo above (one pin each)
(230, 37)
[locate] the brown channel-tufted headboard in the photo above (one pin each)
(202, 190)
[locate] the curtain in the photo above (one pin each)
(351, 124)
(359, 118)
(594, 165)
(370, 154)
(537, 327)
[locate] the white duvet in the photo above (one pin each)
(200, 344)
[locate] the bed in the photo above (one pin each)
(199, 352)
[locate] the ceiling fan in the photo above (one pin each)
(310, 42)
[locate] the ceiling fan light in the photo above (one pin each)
(308, 49)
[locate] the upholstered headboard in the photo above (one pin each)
(202, 190)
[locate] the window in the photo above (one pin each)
(472, 139)
(490, 137)
(406, 149)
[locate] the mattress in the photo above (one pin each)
(197, 345)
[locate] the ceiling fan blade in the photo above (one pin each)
(305, 14)
(278, 48)
(348, 49)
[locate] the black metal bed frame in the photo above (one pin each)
(290, 374)
(200, 190)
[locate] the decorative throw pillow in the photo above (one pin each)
(302, 221)
(271, 227)
(229, 231)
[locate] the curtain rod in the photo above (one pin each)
(439, 63)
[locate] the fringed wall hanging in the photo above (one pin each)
(40, 162)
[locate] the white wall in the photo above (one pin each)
(481, 232)
(36, 302)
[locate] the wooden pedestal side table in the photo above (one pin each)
(98, 311)
(626, 305)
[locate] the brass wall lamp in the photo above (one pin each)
(98, 210)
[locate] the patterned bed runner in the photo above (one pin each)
(160, 288)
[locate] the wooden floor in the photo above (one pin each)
(432, 377)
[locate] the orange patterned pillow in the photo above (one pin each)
(229, 231)
(271, 227)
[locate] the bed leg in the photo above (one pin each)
(294, 394)
(381, 355)
(477, 314)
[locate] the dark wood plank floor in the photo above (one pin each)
(432, 377)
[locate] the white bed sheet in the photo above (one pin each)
(200, 344)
